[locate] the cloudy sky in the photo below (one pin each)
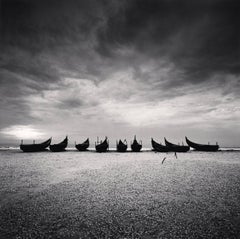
(108, 67)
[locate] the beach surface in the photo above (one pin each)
(119, 195)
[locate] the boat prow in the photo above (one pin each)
(83, 146)
(202, 147)
(60, 146)
(135, 146)
(122, 147)
(175, 147)
(103, 146)
(159, 147)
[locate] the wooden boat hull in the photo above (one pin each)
(83, 146)
(135, 146)
(121, 147)
(102, 147)
(59, 147)
(202, 147)
(176, 148)
(35, 147)
(80, 147)
(179, 149)
(161, 149)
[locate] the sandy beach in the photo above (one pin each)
(113, 195)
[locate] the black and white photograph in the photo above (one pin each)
(120, 119)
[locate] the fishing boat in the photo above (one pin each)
(102, 146)
(35, 147)
(176, 147)
(121, 146)
(202, 147)
(159, 147)
(83, 146)
(60, 146)
(135, 146)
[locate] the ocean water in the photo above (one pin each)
(119, 195)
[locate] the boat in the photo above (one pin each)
(175, 147)
(135, 146)
(159, 147)
(83, 146)
(202, 147)
(102, 146)
(35, 147)
(121, 146)
(60, 146)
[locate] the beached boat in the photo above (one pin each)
(175, 147)
(83, 146)
(159, 147)
(135, 146)
(202, 147)
(122, 147)
(35, 147)
(60, 146)
(102, 146)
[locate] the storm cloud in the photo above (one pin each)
(138, 65)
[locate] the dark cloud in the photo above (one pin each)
(201, 37)
(37, 24)
(35, 74)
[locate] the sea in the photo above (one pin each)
(119, 195)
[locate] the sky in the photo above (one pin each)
(154, 68)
